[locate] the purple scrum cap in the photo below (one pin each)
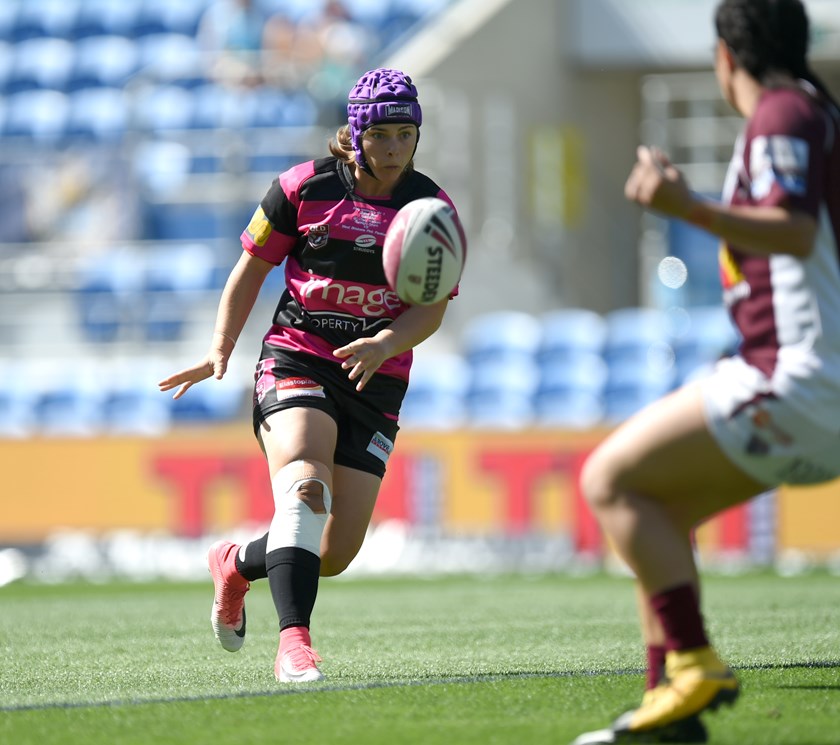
(381, 96)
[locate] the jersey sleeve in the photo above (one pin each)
(272, 232)
(785, 154)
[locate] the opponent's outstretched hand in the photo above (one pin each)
(657, 184)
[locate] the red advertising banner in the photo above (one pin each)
(196, 482)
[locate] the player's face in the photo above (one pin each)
(388, 149)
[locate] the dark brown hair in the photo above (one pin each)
(767, 37)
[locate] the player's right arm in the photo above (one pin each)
(762, 229)
(237, 302)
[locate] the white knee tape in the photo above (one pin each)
(294, 523)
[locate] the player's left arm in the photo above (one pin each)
(363, 357)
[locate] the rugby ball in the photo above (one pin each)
(424, 251)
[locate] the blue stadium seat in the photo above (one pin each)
(104, 17)
(41, 64)
(634, 335)
(218, 107)
(104, 61)
(7, 61)
(109, 285)
(175, 274)
(571, 392)
(70, 404)
(132, 403)
(161, 168)
(190, 221)
(296, 109)
(16, 400)
(641, 360)
(568, 333)
(270, 163)
(136, 411)
(171, 58)
(632, 386)
(169, 16)
(162, 108)
(212, 401)
(9, 11)
(270, 107)
(41, 115)
(46, 18)
(437, 393)
(69, 411)
(497, 335)
(710, 335)
(100, 114)
(502, 393)
(213, 163)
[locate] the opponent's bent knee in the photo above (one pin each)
(597, 482)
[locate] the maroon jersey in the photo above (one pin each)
(788, 309)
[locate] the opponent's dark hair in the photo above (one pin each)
(768, 36)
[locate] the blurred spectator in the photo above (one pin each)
(230, 35)
(323, 52)
(290, 53)
(346, 48)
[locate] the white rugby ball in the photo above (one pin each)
(424, 251)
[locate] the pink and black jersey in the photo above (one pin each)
(331, 238)
(788, 309)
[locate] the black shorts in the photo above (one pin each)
(366, 420)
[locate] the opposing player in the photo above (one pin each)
(771, 414)
(334, 365)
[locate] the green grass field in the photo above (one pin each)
(456, 661)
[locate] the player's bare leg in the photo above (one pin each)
(649, 483)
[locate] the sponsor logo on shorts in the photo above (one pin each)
(297, 387)
(318, 236)
(380, 446)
